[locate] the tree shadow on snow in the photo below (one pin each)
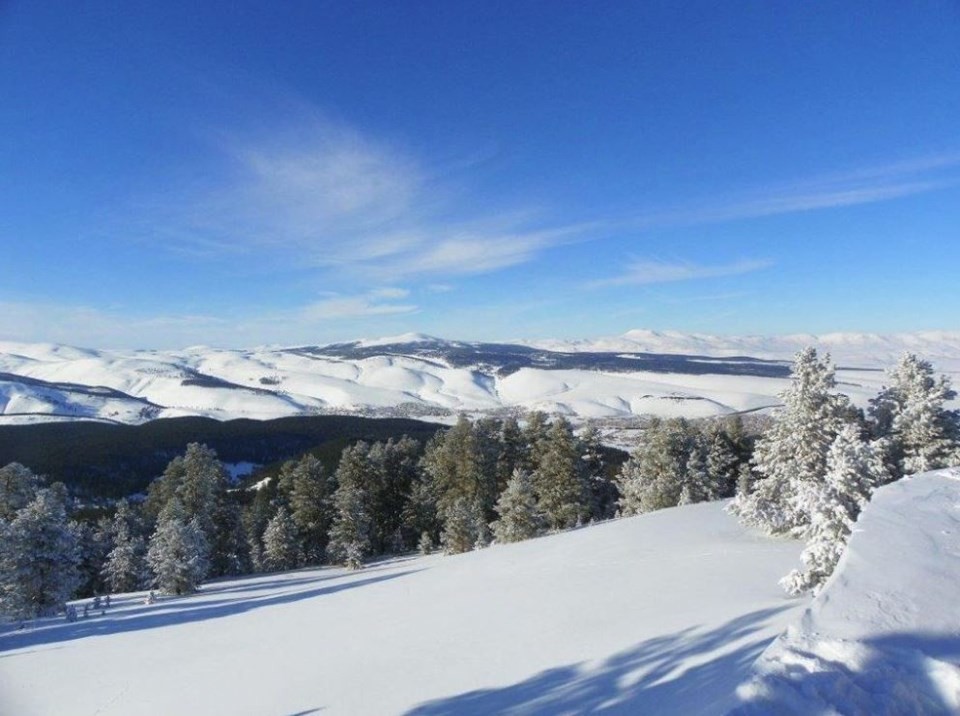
(655, 676)
(176, 611)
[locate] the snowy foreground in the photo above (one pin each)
(883, 637)
(663, 613)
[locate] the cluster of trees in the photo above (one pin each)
(818, 463)
(807, 475)
(473, 482)
(463, 489)
(679, 462)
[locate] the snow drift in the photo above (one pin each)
(883, 636)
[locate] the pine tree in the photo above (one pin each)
(512, 453)
(39, 556)
(280, 546)
(923, 434)
(790, 458)
(199, 482)
(351, 529)
(462, 521)
(425, 545)
(420, 512)
(254, 522)
(654, 476)
(854, 469)
(602, 493)
(722, 463)
(311, 505)
(18, 488)
(520, 517)
(535, 433)
(561, 495)
(125, 569)
(95, 540)
(178, 551)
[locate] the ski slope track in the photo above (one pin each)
(639, 373)
(883, 636)
(662, 613)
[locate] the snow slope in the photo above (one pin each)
(418, 375)
(883, 636)
(662, 613)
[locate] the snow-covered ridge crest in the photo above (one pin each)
(882, 636)
(641, 373)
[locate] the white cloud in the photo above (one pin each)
(642, 272)
(865, 185)
(323, 196)
(106, 328)
(374, 303)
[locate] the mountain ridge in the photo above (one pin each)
(417, 375)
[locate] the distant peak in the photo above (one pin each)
(402, 338)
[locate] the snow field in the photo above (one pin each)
(662, 613)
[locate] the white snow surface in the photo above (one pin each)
(662, 613)
(269, 382)
(883, 636)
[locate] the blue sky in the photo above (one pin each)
(244, 173)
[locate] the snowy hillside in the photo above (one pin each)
(640, 373)
(662, 613)
(883, 637)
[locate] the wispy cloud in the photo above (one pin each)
(864, 185)
(381, 302)
(110, 327)
(321, 195)
(643, 272)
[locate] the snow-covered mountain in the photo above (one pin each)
(641, 372)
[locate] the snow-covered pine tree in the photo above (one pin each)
(311, 505)
(923, 434)
(350, 532)
(125, 569)
(695, 478)
(790, 459)
(255, 519)
(655, 474)
(561, 493)
(462, 520)
(420, 512)
(18, 488)
(854, 469)
(95, 543)
(425, 545)
(602, 494)
(281, 549)
(629, 482)
(199, 482)
(178, 551)
(520, 517)
(512, 453)
(722, 462)
(39, 556)
(535, 434)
